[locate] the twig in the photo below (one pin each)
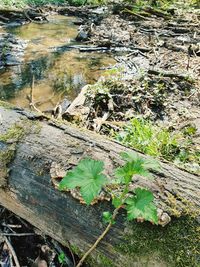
(130, 12)
(31, 95)
(98, 122)
(188, 61)
(12, 251)
(27, 16)
(10, 260)
(167, 74)
(115, 212)
(17, 234)
(12, 225)
(71, 252)
(100, 237)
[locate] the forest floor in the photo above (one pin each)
(149, 100)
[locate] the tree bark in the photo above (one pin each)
(29, 192)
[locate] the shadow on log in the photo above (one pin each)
(31, 143)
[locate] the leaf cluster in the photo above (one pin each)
(89, 178)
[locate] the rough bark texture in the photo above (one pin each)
(30, 193)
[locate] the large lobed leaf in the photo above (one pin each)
(87, 176)
(141, 206)
(135, 165)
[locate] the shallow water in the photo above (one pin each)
(58, 71)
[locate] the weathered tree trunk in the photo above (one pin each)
(30, 143)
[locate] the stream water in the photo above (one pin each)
(58, 71)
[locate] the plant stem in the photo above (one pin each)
(125, 191)
(115, 212)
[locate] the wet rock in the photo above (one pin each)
(13, 60)
(82, 36)
(60, 109)
(13, 24)
(132, 66)
(11, 50)
(100, 10)
(78, 22)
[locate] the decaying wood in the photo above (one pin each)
(93, 48)
(77, 108)
(167, 74)
(31, 195)
(15, 14)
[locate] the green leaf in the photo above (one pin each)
(141, 206)
(87, 176)
(152, 164)
(125, 173)
(129, 156)
(107, 216)
(61, 258)
(134, 165)
(148, 163)
(116, 202)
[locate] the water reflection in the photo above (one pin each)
(56, 74)
(15, 78)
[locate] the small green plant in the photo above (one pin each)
(88, 176)
(150, 139)
(61, 258)
(159, 142)
(190, 130)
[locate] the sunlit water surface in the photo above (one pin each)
(58, 71)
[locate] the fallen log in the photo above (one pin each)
(93, 48)
(168, 74)
(10, 15)
(30, 144)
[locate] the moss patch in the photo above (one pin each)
(9, 141)
(179, 206)
(5, 104)
(104, 261)
(14, 134)
(6, 157)
(75, 250)
(178, 243)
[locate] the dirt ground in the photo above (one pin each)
(156, 76)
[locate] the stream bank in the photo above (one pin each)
(156, 80)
